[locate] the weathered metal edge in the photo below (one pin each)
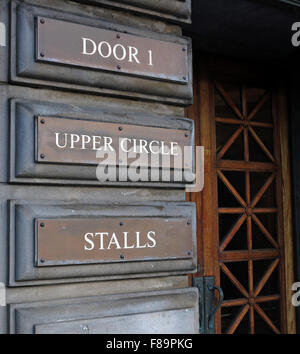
(172, 16)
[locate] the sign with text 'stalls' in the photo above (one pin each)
(75, 241)
(90, 47)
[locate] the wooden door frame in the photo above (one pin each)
(286, 194)
(206, 201)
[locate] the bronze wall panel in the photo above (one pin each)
(54, 66)
(90, 47)
(81, 241)
(56, 144)
(76, 217)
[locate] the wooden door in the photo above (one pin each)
(244, 215)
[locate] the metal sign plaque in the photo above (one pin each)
(103, 240)
(78, 141)
(91, 47)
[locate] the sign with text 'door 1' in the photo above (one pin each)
(79, 141)
(96, 48)
(102, 240)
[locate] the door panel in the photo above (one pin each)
(240, 211)
(249, 251)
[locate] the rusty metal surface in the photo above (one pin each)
(51, 140)
(63, 42)
(78, 241)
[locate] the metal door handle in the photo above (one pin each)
(221, 298)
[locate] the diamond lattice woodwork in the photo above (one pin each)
(248, 209)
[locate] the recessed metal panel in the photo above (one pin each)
(61, 243)
(90, 47)
(56, 58)
(36, 158)
(173, 321)
(76, 141)
(164, 311)
(81, 241)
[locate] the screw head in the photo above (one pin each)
(119, 67)
(121, 224)
(122, 256)
(188, 222)
(184, 49)
(42, 54)
(210, 287)
(118, 36)
(42, 21)
(184, 78)
(42, 121)
(120, 128)
(189, 253)
(186, 135)
(42, 156)
(42, 224)
(42, 260)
